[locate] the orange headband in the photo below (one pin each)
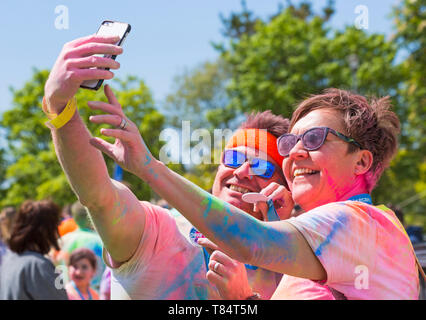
(259, 139)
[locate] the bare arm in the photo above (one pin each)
(115, 211)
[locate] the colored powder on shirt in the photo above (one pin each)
(341, 221)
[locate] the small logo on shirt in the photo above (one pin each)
(194, 235)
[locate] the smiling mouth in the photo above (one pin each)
(304, 171)
(238, 188)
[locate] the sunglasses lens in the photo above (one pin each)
(259, 167)
(314, 138)
(233, 159)
(262, 168)
(285, 143)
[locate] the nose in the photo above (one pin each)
(243, 171)
(298, 152)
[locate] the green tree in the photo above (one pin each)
(291, 57)
(198, 95)
(407, 174)
(34, 171)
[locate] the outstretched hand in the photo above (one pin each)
(128, 150)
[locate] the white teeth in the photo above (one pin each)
(299, 172)
(238, 189)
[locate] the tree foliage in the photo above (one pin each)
(404, 184)
(33, 171)
(275, 63)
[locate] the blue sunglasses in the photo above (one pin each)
(260, 167)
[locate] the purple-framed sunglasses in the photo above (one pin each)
(312, 139)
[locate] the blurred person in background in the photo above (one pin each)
(83, 237)
(7, 216)
(67, 223)
(81, 268)
(26, 274)
(105, 286)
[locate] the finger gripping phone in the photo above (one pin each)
(108, 28)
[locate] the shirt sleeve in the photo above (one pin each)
(44, 283)
(343, 237)
(160, 231)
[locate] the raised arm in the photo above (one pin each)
(115, 211)
(276, 246)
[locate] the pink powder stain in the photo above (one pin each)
(334, 186)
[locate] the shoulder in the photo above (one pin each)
(94, 294)
(156, 213)
(342, 211)
(29, 263)
(37, 260)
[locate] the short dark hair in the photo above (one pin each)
(82, 253)
(36, 227)
(275, 124)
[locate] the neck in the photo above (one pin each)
(358, 187)
(83, 288)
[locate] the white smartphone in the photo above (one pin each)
(108, 28)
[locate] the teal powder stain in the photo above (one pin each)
(225, 221)
(153, 173)
(148, 160)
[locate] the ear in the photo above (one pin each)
(364, 162)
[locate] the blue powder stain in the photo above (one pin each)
(234, 229)
(148, 160)
(153, 173)
(225, 221)
(341, 221)
(187, 275)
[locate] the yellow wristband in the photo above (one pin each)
(58, 121)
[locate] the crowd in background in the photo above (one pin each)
(49, 253)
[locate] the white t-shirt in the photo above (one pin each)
(167, 265)
(364, 250)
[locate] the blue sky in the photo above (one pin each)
(167, 35)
